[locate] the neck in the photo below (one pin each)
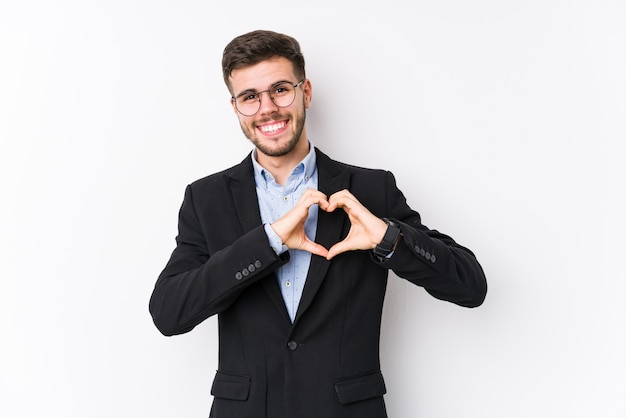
(281, 167)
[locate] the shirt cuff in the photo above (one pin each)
(275, 242)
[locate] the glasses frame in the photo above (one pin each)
(259, 93)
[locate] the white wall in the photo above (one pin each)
(503, 122)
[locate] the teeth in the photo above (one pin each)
(272, 128)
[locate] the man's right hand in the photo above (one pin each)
(290, 227)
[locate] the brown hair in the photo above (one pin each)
(257, 46)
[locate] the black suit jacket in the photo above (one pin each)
(326, 363)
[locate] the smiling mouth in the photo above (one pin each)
(273, 128)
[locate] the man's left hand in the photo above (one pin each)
(366, 230)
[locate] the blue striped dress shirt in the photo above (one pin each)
(276, 200)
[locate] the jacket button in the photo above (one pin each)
(258, 264)
(251, 268)
(292, 345)
(245, 272)
(433, 258)
(238, 275)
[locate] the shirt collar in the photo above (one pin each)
(307, 167)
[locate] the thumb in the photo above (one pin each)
(315, 248)
(338, 248)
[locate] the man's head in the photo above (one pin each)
(264, 72)
(257, 46)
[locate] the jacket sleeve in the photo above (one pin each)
(428, 258)
(197, 283)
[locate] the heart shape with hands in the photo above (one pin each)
(366, 229)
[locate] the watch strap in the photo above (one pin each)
(389, 241)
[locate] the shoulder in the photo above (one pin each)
(243, 170)
(324, 162)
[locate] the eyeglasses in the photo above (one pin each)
(282, 94)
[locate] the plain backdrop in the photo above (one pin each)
(503, 121)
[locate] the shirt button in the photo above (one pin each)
(285, 198)
(288, 283)
(292, 345)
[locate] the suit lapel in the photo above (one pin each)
(332, 177)
(246, 205)
(245, 199)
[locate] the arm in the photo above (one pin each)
(447, 270)
(425, 257)
(197, 282)
(428, 258)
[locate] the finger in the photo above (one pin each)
(340, 247)
(311, 197)
(342, 194)
(312, 193)
(342, 199)
(323, 204)
(315, 248)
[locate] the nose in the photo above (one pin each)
(267, 104)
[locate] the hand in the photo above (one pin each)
(290, 227)
(366, 230)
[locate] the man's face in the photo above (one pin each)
(274, 130)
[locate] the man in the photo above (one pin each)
(292, 251)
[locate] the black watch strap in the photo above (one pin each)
(386, 246)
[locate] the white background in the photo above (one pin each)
(503, 121)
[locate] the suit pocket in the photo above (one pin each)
(228, 386)
(354, 389)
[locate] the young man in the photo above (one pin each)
(292, 251)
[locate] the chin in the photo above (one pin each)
(281, 149)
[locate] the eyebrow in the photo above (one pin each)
(254, 91)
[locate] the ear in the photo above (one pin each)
(232, 103)
(307, 89)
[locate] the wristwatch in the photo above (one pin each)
(387, 245)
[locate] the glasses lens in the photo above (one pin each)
(248, 104)
(283, 94)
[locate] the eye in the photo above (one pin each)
(281, 89)
(249, 97)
